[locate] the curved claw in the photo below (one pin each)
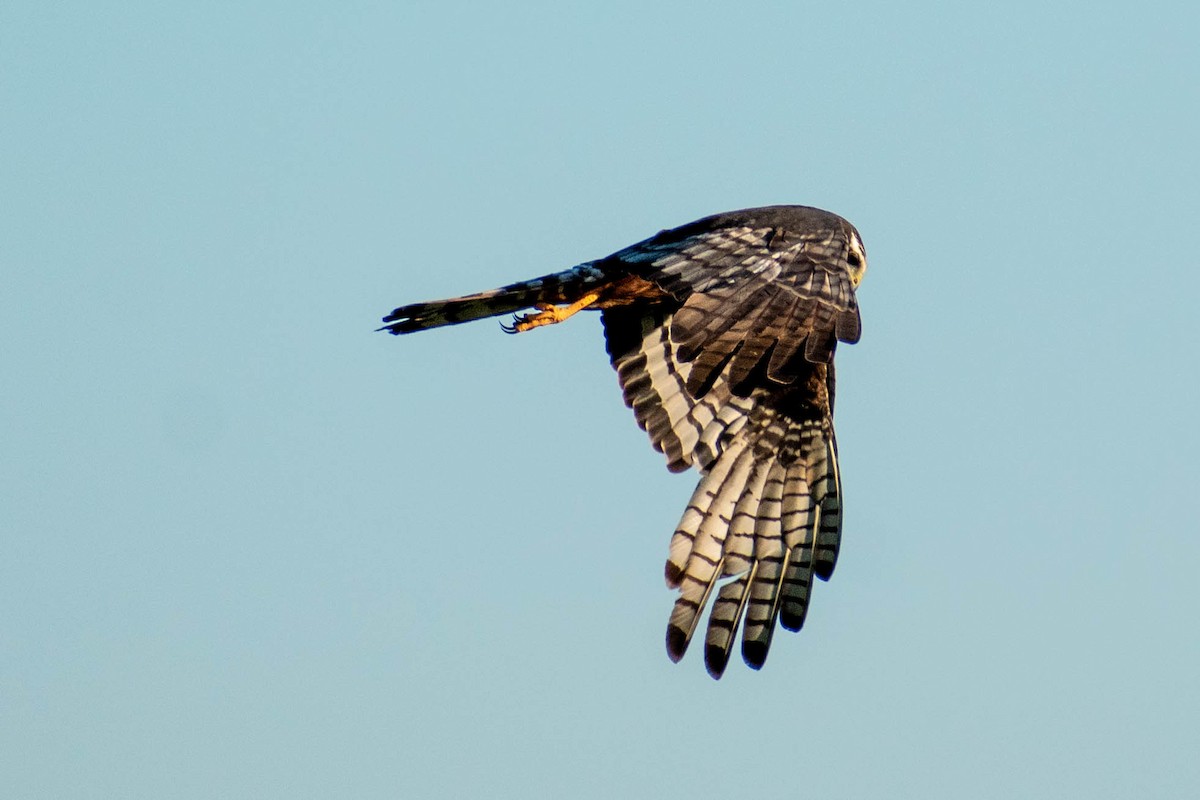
(548, 314)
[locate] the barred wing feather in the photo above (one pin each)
(768, 480)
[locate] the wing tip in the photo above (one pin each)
(791, 621)
(677, 643)
(754, 654)
(849, 326)
(674, 574)
(716, 659)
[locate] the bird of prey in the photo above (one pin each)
(722, 332)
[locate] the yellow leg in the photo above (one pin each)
(550, 314)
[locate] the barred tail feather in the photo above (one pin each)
(560, 287)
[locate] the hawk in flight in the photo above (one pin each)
(722, 333)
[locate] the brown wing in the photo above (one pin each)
(754, 285)
(767, 510)
(736, 378)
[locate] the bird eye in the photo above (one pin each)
(853, 260)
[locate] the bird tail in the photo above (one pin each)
(559, 287)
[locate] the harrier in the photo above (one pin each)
(722, 333)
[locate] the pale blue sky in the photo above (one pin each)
(253, 549)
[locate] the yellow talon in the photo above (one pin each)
(549, 314)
